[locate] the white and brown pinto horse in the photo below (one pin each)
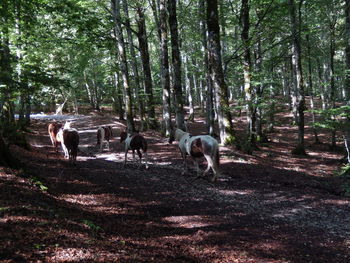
(53, 129)
(104, 133)
(134, 142)
(69, 139)
(197, 147)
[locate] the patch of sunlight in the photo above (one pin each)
(81, 199)
(188, 221)
(233, 192)
(87, 131)
(108, 156)
(73, 255)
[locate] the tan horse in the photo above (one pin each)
(134, 142)
(53, 129)
(197, 147)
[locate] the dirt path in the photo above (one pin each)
(269, 207)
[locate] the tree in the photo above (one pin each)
(165, 81)
(217, 74)
(298, 75)
(123, 65)
(147, 76)
(347, 73)
(176, 62)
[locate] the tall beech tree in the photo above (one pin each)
(123, 65)
(165, 75)
(299, 92)
(147, 75)
(176, 62)
(347, 74)
(217, 74)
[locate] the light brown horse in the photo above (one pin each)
(134, 142)
(53, 129)
(104, 133)
(197, 147)
(69, 139)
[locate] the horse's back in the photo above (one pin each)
(71, 138)
(138, 142)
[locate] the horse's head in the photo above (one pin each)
(123, 136)
(67, 125)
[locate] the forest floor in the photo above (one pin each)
(270, 206)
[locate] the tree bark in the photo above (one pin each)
(296, 60)
(207, 81)
(176, 63)
(247, 68)
(165, 81)
(215, 61)
(347, 77)
(147, 76)
(140, 104)
(123, 65)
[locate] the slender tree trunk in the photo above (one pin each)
(347, 79)
(165, 81)
(300, 149)
(176, 63)
(214, 47)
(247, 68)
(123, 65)
(147, 76)
(210, 116)
(332, 91)
(140, 104)
(311, 88)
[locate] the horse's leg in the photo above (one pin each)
(133, 155)
(107, 143)
(126, 153)
(140, 155)
(184, 162)
(146, 157)
(196, 166)
(65, 150)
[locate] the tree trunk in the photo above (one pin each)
(165, 81)
(136, 78)
(176, 63)
(123, 65)
(296, 60)
(347, 78)
(147, 76)
(247, 68)
(214, 48)
(207, 81)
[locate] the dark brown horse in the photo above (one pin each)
(134, 142)
(53, 130)
(104, 133)
(69, 139)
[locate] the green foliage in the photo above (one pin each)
(35, 181)
(15, 136)
(332, 119)
(92, 226)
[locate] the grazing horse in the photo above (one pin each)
(53, 130)
(197, 147)
(69, 139)
(104, 133)
(134, 142)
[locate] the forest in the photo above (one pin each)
(267, 80)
